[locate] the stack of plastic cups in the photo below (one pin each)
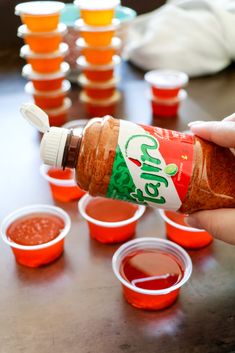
(45, 53)
(99, 48)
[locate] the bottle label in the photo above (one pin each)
(152, 166)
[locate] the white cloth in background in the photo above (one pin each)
(194, 36)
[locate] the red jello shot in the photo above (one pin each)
(59, 116)
(110, 221)
(62, 184)
(166, 84)
(167, 108)
(151, 272)
(178, 231)
(100, 107)
(49, 99)
(46, 82)
(98, 73)
(98, 90)
(36, 234)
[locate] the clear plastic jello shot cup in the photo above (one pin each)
(100, 107)
(110, 221)
(43, 42)
(166, 84)
(62, 184)
(97, 36)
(46, 82)
(151, 272)
(40, 16)
(59, 116)
(47, 62)
(178, 231)
(45, 252)
(97, 12)
(98, 90)
(167, 108)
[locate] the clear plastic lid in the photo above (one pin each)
(166, 79)
(81, 26)
(115, 44)
(83, 81)
(96, 4)
(39, 8)
(29, 73)
(26, 52)
(179, 98)
(66, 86)
(23, 31)
(85, 65)
(100, 102)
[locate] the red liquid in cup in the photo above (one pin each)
(151, 270)
(64, 193)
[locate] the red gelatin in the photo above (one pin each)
(48, 85)
(99, 110)
(179, 232)
(165, 110)
(97, 93)
(99, 76)
(49, 102)
(151, 270)
(58, 120)
(165, 93)
(64, 193)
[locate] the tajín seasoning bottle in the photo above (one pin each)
(142, 164)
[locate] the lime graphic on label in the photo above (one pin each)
(171, 169)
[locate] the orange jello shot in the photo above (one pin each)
(36, 234)
(45, 62)
(98, 90)
(97, 36)
(98, 73)
(59, 116)
(100, 107)
(49, 99)
(99, 55)
(97, 12)
(43, 42)
(46, 82)
(40, 16)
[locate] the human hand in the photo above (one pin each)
(219, 223)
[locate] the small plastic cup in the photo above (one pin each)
(109, 232)
(49, 99)
(145, 298)
(40, 16)
(179, 232)
(98, 90)
(97, 36)
(62, 184)
(43, 42)
(45, 63)
(100, 55)
(167, 108)
(98, 73)
(166, 84)
(36, 255)
(101, 107)
(97, 12)
(46, 82)
(59, 116)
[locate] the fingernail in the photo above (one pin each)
(195, 122)
(192, 222)
(230, 117)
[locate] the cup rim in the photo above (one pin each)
(182, 78)
(65, 88)
(59, 182)
(23, 31)
(27, 8)
(28, 72)
(159, 241)
(176, 225)
(35, 209)
(90, 6)
(84, 201)
(26, 52)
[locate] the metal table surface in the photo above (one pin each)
(75, 304)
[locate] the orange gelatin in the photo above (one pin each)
(98, 38)
(97, 56)
(99, 76)
(186, 236)
(44, 44)
(64, 193)
(49, 102)
(41, 23)
(48, 85)
(97, 17)
(58, 119)
(100, 93)
(46, 65)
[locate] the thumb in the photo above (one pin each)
(219, 223)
